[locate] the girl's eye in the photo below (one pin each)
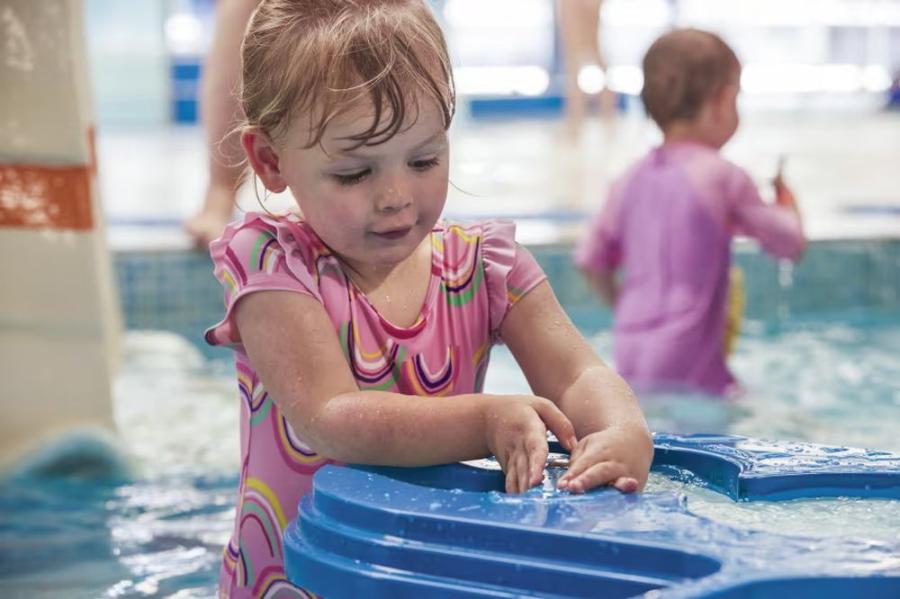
(424, 165)
(351, 178)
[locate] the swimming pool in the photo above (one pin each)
(820, 355)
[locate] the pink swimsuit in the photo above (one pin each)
(477, 273)
(668, 225)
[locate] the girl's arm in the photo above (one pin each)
(614, 444)
(292, 345)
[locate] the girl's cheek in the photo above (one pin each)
(345, 216)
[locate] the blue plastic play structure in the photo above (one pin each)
(450, 531)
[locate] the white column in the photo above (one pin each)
(59, 317)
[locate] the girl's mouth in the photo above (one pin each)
(393, 234)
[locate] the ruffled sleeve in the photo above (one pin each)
(510, 270)
(261, 253)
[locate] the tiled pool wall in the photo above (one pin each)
(844, 279)
(175, 290)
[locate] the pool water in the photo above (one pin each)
(874, 519)
(159, 531)
(832, 383)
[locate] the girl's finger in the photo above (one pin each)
(576, 465)
(558, 423)
(510, 475)
(524, 472)
(537, 461)
(597, 475)
(576, 453)
(626, 484)
(501, 459)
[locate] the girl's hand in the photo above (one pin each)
(614, 456)
(516, 429)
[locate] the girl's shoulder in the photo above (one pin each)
(254, 235)
(487, 251)
(492, 240)
(268, 251)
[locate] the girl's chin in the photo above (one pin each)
(383, 258)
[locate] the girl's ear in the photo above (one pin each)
(264, 159)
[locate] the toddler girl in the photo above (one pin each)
(668, 222)
(362, 330)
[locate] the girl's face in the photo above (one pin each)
(372, 205)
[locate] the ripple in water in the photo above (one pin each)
(870, 519)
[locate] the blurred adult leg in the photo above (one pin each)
(608, 98)
(579, 22)
(220, 113)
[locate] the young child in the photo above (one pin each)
(668, 222)
(362, 330)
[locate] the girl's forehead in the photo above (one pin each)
(423, 120)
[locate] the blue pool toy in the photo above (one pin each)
(450, 531)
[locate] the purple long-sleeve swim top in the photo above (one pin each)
(667, 225)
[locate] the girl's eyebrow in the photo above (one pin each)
(440, 135)
(350, 153)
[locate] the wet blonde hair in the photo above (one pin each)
(682, 70)
(316, 59)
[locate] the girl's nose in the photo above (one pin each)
(393, 198)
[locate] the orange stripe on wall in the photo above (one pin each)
(45, 197)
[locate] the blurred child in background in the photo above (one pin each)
(659, 250)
